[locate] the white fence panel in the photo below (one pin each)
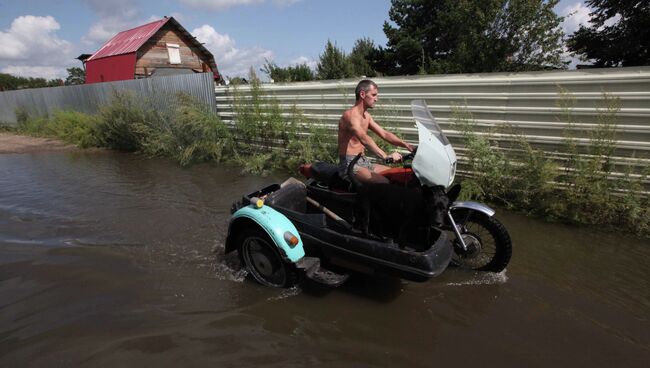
(89, 97)
(529, 102)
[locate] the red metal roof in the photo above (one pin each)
(128, 41)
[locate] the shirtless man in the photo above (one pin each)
(354, 139)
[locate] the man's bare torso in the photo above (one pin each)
(348, 143)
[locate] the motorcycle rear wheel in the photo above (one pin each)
(489, 244)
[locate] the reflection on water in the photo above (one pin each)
(109, 259)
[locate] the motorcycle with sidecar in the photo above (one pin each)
(284, 232)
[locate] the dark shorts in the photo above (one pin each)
(344, 162)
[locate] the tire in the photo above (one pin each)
(490, 247)
(262, 259)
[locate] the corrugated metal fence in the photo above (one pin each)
(529, 102)
(89, 97)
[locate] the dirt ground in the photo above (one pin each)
(13, 143)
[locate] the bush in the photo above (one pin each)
(30, 125)
(266, 140)
(311, 142)
(126, 123)
(491, 172)
(74, 127)
(534, 177)
(197, 134)
(69, 126)
(585, 192)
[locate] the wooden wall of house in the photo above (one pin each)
(153, 54)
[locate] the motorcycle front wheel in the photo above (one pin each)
(489, 247)
(262, 259)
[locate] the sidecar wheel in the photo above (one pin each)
(488, 241)
(263, 261)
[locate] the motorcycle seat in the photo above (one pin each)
(328, 175)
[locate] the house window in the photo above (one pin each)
(174, 51)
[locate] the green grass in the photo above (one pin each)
(585, 191)
(268, 140)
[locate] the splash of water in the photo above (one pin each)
(483, 278)
(286, 293)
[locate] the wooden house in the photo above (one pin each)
(158, 48)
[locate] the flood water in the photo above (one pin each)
(112, 260)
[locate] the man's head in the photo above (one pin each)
(367, 91)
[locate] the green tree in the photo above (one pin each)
(75, 76)
(298, 73)
(333, 63)
(626, 42)
(9, 82)
(470, 36)
(361, 56)
(301, 73)
(275, 72)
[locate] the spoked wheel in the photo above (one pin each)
(263, 261)
(489, 247)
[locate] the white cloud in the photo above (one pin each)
(216, 5)
(178, 16)
(47, 72)
(576, 15)
(106, 28)
(114, 8)
(611, 21)
(12, 47)
(304, 60)
(283, 3)
(231, 60)
(31, 47)
(31, 37)
(114, 16)
(102, 31)
(579, 14)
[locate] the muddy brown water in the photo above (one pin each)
(110, 260)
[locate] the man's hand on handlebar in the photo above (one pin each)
(393, 158)
(397, 157)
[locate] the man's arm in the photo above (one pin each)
(388, 136)
(363, 137)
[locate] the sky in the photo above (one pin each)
(41, 38)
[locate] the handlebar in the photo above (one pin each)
(408, 156)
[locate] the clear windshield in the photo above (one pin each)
(435, 161)
(423, 116)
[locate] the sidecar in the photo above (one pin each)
(282, 234)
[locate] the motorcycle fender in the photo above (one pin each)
(480, 207)
(275, 225)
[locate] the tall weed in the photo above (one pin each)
(490, 169)
(30, 125)
(74, 127)
(266, 139)
(196, 134)
(127, 122)
(585, 191)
